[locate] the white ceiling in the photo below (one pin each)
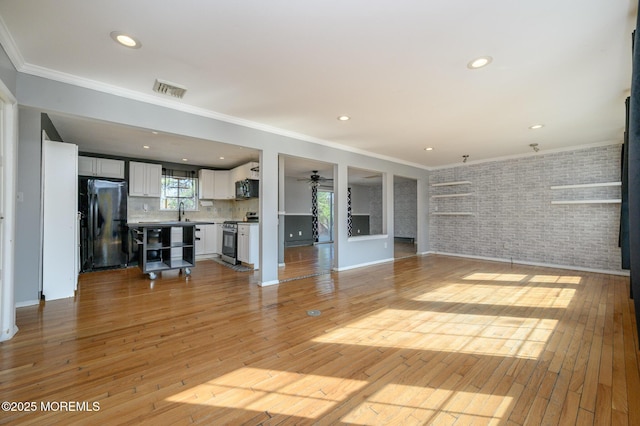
(397, 67)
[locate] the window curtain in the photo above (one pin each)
(633, 176)
(178, 173)
(314, 212)
(349, 218)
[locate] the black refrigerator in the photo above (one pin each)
(103, 223)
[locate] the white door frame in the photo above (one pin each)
(8, 161)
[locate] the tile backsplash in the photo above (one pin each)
(141, 209)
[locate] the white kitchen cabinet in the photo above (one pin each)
(246, 171)
(144, 179)
(224, 188)
(100, 167)
(248, 243)
(215, 185)
(211, 239)
(86, 166)
(206, 184)
(206, 240)
(199, 240)
(218, 243)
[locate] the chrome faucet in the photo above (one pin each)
(180, 211)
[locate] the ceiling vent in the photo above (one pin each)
(170, 89)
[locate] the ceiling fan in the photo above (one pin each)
(316, 180)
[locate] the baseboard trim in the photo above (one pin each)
(9, 335)
(524, 262)
(362, 265)
(27, 303)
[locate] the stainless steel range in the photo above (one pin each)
(230, 242)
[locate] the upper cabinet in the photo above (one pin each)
(223, 188)
(206, 184)
(100, 167)
(246, 171)
(144, 179)
(215, 185)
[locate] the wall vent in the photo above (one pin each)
(170, 89)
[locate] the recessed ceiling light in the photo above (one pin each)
(221, 158)
(480, 62)
(428, 149)
(185, 159)
(145, 146)
(536, 126)
(126, 40)
(344, 118)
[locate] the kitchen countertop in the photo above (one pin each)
(160, 224)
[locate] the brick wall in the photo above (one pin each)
(405, 207)
(511, 215)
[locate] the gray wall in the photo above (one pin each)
(513, 217)
(8, 72)
(28, 225)
(297, 197)
(360, 204)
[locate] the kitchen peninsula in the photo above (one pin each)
(162, 249)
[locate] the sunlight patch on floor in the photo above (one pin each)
(275, 391)
(502, 296)
(484, 276)
(402, 404)
(519, 337)
(556, 279)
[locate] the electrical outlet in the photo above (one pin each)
(300, 233)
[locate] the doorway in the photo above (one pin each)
(325, 216)
(405, 216)
(307, 218)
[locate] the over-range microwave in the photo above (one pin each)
(247, 188)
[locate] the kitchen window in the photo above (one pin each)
(179, 187)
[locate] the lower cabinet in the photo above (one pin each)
(248, 244)
(207, 240)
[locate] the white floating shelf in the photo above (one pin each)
(587, 185)
(452, 195)
(462, 182)
(613, 201)
(452, 213)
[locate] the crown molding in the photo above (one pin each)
(10, 47)
(176, 105)
(532, 154)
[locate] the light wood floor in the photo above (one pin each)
(306, 261)
(423, 340)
